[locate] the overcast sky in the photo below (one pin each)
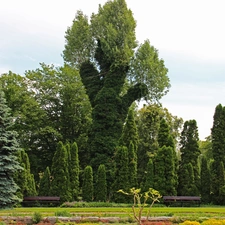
(189, 35)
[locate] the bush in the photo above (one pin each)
(63, 213)
(188, 222)
(213, 222)
(37, 217)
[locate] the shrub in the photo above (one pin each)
(213, 222)
(63, 213)
(37, 217)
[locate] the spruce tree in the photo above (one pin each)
(87, 187)
(60, 185)
(45, 183)
(205, 181)
(121, 174)
(101, 184)
(9, 164)
(74, 171)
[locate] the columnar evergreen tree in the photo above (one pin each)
(74, 171)
(121, 174)
(189, 154)
(205, 181)
(8, 157)
(132, 166)
(218, 152)
(45, 183)
(101, 184)
(108, 63)
(87, 187)
(60, 185)
(149, 182)
(165, 162)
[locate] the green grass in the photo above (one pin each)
(209, 212)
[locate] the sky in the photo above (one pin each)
(188, 34)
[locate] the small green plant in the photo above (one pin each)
(139, 201)
(63, 213)
(37, 217)
(2, 223)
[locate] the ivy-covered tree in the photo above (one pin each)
(60, 185)
(9, 164)
(45, 183)
(190, 152)
(205, 181)
(121, 174)
(74, 171)
(110, 61)
(88, 186)
(101, 185)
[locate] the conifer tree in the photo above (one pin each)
(74, 171)
(205, 181)
(9, 164)
(88, 188)
(189, 154)
(121, 174)
(149, 181)
(218, 152)
(132, 166)
(60, 185)
(101, 184)
(45, 183)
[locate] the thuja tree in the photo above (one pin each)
(121, 173)
(205, 181)
(115, 72)
(190, 152)
(8, 161)
(74, 171)
(149, 180)
(101, 184)
(45, 183)
(218, 146)
(88, 187)
(60, 185)
(165, 162)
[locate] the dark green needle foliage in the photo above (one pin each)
(45, 183)
(101, 184)
(87, 187)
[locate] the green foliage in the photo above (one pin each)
(106, 68)
(149, 182)
(9, 164)
(188, 222)
(140, 200)
(101, 184)
(189, 155)
(74, 171)
(121, 174)
(63, 213)
(36, 217)
(205, 181)
(45, 183)
(87, 187)
(60, 185)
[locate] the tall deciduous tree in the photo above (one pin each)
(108, 62)
(101, 184)
(189, 154)
(88, 186)
(8, 157)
